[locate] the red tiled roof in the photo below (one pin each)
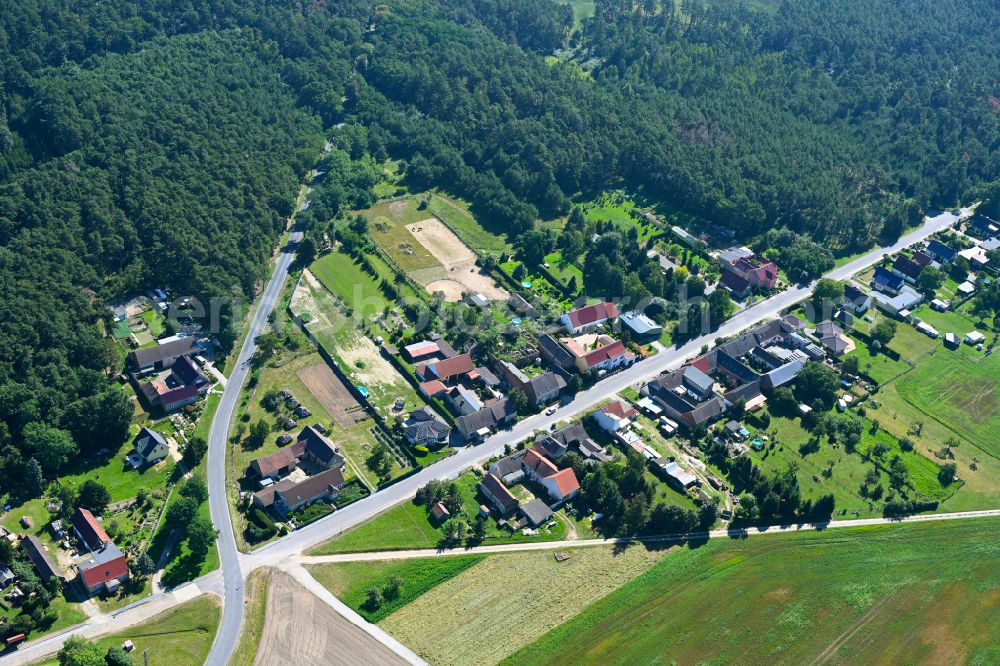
(619, 409)
(538, 464)
(592, 313)
(279, 459)
(615, 349)
(450, 367)
(432, 388)
(111, 570)
(702, 363)
(566, 481)
(90, 529)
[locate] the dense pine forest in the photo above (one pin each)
(159, 143)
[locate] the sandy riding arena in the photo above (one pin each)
(301, 630)
(459, 272)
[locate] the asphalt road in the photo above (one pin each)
(218, 499)
(644, 370)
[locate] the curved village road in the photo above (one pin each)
(286, 551)
(644, 370)
(218, 499)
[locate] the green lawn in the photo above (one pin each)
(889, 594)
(123, 483)
(345, 278)
(959, 393)
(879, 367)
(565, 271)
(181, 635)
(351, 581)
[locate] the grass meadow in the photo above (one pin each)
(181, 635)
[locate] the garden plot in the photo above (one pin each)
(335, 397)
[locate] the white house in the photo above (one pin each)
(615, 416)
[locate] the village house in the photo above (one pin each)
(554, 353)
(642, 328)
(941, 252)
(832, 338)
(462, 401)
(499, 496)
(738, 286)
(509, 469)
(760, 273)
(536, 512)
(493, 415)
(887, 282)
(89, 530)
(561, 485)
(425, 427)
(540, 389)
(585, 319)
(148, 447)
(106, 567)
(160, 357)
(903, 300)
(177, 387)
(44, 564)
(324, 486)
(104, 571)
(857, 301)
(434, 348)
(310, 447)
(555, 445)
(596, 352)
(674, 474)
(907, 269)
(615, 416)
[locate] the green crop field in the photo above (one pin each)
(959, 393)
(921, 593)
(351, 581)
